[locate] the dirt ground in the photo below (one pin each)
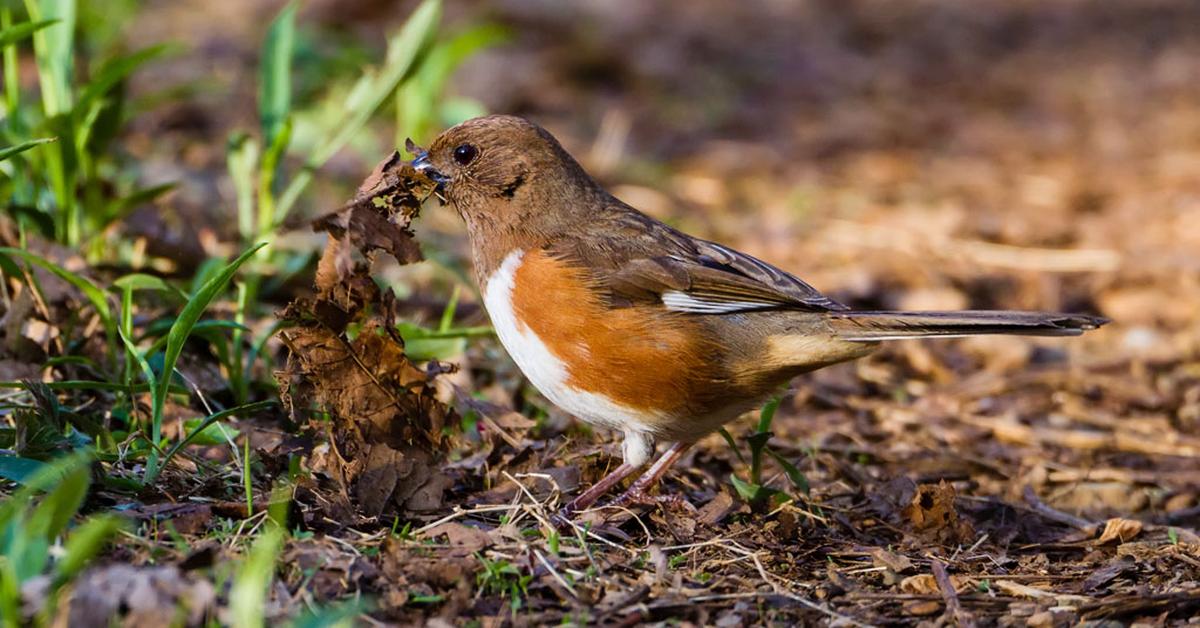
(932, 154)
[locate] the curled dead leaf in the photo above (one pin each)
(463, 537)
(920, 584)
(378, 217)
(926, 584)
(896, 562)
(1120, 530)
(932, 514)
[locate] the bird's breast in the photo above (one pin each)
(633, 368)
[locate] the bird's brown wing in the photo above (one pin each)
(645, 260)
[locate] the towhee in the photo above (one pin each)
(632, 325)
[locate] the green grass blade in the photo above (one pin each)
(16, 149)
(44, 479)
(768, 414)
(247, 485)
(18, 469)
(202, 326)
(86, 384)
(420, 101)
(84, 543)
(275, 73)
(131, 350)
(17, 32)
(235, 363)
(57, 508)
(54, 48)
(404, 51)
(178, 335)
(268, 171)
(211, 419)
(241, 158)
(422, 344)
(732, 444)
(447, 320)
(114, 71)
(748, 491)
(95, 295)
(139, 357)
(12, 78)
(125, 328)
(794, 474)
(142, 281)
(248, 597)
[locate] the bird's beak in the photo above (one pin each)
(422, 164)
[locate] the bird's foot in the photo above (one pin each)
(565, 518)
(636, 496)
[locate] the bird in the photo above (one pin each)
(632, 325)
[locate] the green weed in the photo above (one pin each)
(30, 526)
(75, 189)
(753, 489)
(500, 577)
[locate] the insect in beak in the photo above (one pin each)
(421, 164)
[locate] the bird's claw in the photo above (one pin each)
(638, 497)
(564, 519)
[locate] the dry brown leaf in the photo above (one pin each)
(378, 217)
(932, 514)
(920, 584)
(461, 536)
(1023, 590)
(1011, 431)
(386, 419)
(926, 584)
(896, 562)
(1121, 530)
(716, 509)
(125, 595)
(1018, 589)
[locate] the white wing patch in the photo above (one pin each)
(683, 302)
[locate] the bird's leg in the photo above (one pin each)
(637, 448)
(638, 492)
(585, 499)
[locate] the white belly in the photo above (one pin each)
(550, 375)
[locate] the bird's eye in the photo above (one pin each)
(465, 154)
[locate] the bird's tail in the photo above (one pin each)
(873, 326)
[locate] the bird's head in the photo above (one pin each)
(502, 168)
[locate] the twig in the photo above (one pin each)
(777, 584)
(629, 598)
(554, 572)
(459, 513)
(1046, 511)
(954, 609)
(485, 415)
